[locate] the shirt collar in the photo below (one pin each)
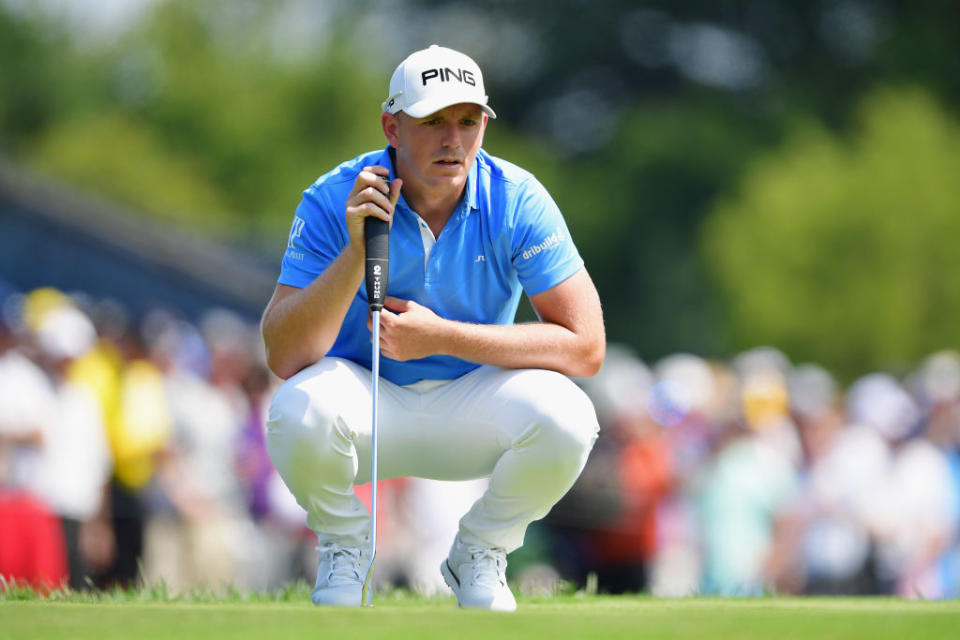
(473, 185)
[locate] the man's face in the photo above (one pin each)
(437, 151)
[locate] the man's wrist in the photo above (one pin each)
(354, 251)
(447, 336)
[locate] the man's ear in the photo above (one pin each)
(390, 123)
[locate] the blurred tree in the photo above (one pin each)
(670, 163)
(842, 250)
(108, 153)
(32, 85)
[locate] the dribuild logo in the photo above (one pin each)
(552, 241)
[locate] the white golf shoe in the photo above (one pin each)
(478, 576)
(339, 577)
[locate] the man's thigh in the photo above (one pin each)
(460, 430)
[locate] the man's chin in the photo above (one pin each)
(449, 179)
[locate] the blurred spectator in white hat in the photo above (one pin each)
(74, 471)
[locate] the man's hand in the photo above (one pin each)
(409, 330)
(371, 197)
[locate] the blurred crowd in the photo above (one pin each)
(759, 476)
(132, 451)
(139, 448)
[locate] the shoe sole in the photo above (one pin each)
(338, 600)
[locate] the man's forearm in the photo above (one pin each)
(538, 345)
(301, 326)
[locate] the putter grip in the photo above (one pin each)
(376, 234)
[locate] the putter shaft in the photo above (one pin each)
(368, 581)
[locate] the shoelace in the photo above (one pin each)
(489, 565)
(344, 563)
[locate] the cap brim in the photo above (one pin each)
(424, 108)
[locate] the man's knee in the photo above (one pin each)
(564, 415)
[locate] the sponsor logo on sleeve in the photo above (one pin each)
(552, 241)
(295, 232)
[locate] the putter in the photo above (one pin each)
(377, 240)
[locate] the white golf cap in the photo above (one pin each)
(435, 78)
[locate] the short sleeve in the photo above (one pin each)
(317, 236)
(543, 252)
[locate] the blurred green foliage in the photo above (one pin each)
(31, 92)
(110, 153)
(720, 201)
(175, 121)
(843, 249)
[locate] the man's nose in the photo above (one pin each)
(451, 136)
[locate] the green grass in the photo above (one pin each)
(150, 614)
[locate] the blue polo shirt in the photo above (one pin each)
(506, 236)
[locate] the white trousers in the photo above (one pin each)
(529, 430)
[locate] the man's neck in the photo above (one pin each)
(435, 207)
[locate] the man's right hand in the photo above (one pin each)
(371, 196)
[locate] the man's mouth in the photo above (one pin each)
(448, 162)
